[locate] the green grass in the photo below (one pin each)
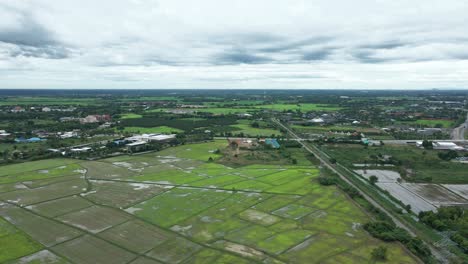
(178, 204)
(34, 165)
(150, 130)
(130, 116)
(248, 130)
(433, 123)
(65, 170)
(14, 243)
(276, 212)
(443, 123)
(199, 151)
(307, 107)
(303, 107)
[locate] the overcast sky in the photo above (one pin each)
(397, 44)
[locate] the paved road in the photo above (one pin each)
(318, 154)
(458, 133)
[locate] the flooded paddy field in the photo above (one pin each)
(174, 206)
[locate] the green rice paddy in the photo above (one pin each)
(175, 206)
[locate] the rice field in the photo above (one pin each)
(174, 206)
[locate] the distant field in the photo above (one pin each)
(444, 123)
(252, 107)
(149, 130)
(302, 107)
(130, 116)
(321, 129)
(433, 123)
(246, 128)
(48, 101)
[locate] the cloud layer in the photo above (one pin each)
(233, 44)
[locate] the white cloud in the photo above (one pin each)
(233, 44)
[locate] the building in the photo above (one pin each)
(429, 131)
(80, 150)
(243, 143)
(317, 120)
(151, 138)
(272, 142)
(17, 109)
(28, 140)
(4, 134)
(136, 146)
(46, 109)
(70, 134)
(95, 119)
(441, 145)
(446, 146)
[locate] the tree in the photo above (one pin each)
(379, 253)
(373, 179)
(333, 161)
(210, 159)
(427, 144)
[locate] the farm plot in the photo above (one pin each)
(64, 170)
(43, 256)
(136, 235)
(14, 243)
(43, 230)
(95, 219)
(25, 197)
(404, 195)
(460, 189)
(382, 175)
(121, 194)
(175, 250)
(177, 204)
(103, 170)
(169, 177)
(435, 194)
(89, 249)
(220, 219)
(60, 206)
(34, 166)
(180, 208)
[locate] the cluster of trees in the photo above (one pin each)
(451, 218)
(388, 231)
(447, 156)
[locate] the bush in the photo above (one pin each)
(379, 253)
(327, 180)
(389, 232)
(373, 179)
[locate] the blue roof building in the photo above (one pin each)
(272, 142)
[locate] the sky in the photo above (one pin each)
(265, 44)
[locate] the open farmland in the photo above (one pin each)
(175, 206)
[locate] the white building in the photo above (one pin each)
(441, 145)
(151, 137)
